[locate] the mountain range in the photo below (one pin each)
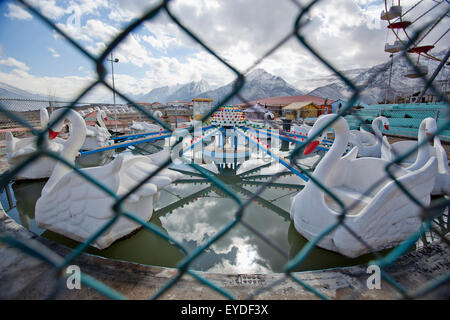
(10, 92)
(259, 84)
(374, 81)
(184, 92)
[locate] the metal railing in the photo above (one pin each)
(240, 78)
(402, 122)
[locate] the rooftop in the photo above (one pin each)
(286, 100)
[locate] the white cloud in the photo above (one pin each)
(347, 33)
(54, 53)
(66, 87)
(11, 62)
(132, 51)
(247, 260)
(89, 6)
(162, 41)
(17, 12)
(126, 10)
(48, 8)
(169, 70)
(99, 34)
(98, 30)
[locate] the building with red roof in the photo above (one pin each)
(275, 104)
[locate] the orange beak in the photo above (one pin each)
(310, 147)
(386, 127)
(52, 134)
(105, 119)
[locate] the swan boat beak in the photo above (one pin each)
(310, 147)
(386, 126)
(52, 134)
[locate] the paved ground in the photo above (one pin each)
(25, 277)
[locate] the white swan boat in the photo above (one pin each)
(427, 127)
(18, 150)
(97, 136)
(369, 145)
(383, 217)
(390, 151)
(141, 126)
(144, 127)
(75, 208)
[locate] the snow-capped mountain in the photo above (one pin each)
(10, 92)
(185, 92)
(310, 84)
(258, 84)
(374, 81)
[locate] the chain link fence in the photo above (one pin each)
(29, 110)
(428, 213)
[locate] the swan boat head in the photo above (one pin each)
(43, 113)
(104, 117)
(320, 130)
(376, 125)
(426, 129)
(430, 127)
(101, 117)
(71, 146)
(384, 121)
(157, 114)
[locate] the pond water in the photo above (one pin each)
(192, 210)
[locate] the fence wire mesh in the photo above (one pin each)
(402, 122)
(355, 117)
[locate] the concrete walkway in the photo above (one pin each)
(25, 277)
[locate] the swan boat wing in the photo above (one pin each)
(78, 209)
(362, 137)
(390, 215)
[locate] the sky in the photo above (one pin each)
(35, 58)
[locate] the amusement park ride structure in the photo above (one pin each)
(401, 22)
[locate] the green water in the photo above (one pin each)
(192, 210)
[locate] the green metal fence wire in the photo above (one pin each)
(403, 122)
(428, 212)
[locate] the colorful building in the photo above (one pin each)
(228, 116)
